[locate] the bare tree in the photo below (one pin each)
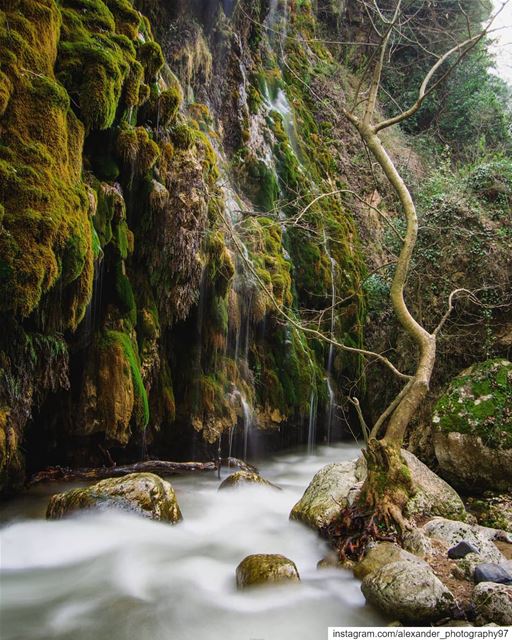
(388, 485)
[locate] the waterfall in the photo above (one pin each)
(312, 421)
(331, 408)
(247, 423)
(92, 313)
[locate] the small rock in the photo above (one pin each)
(143, 493)
(491, 572)
(461, 550)
(240, 478)
(493, 603)
(409, 592)
(381, 554)
(260, 569)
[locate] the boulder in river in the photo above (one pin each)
(326, 495)
(333, 487)
(493, 603)
(262, 568)
(408, 591)
(473, 427)
(240, 478)
(142, 493)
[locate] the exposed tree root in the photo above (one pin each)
(377, 515)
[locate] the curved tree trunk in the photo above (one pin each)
(388, 485)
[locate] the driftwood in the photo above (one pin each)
(160, 467)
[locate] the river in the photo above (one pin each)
(113, 576)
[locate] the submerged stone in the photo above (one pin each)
(240, 478)
(262, 568)
(145, 494)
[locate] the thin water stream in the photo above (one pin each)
(112, 576)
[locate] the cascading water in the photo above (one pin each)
(331, 409)
(112, 576)
(312, 422)
(247, 417)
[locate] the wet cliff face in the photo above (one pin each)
(161, 169)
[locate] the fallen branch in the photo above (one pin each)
(160, 467)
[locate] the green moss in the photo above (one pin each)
(259, 182)
(45, 203)
(479, 402)
(151, 57)
(220, 263)
(124, 293)
(131, 354)
(182, 136)
(162, 107)
(137, 150)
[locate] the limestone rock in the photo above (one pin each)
(260, 569)
(408, 591)
(337, 485)
(473, 426)
(381, 554)
(451, 533)
(417, 542)
(142, 493)
(240, 478)
(326, 495)
(493, 603)
(433, 496)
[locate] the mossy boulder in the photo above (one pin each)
(242, 478)
(262, 568)
(338, 484)
(142, 493)
(473, 426)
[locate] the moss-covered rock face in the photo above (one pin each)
(478, 402)
(144, 494)
(473, 426)
(119, 212)
(260, 569)
(46, 227)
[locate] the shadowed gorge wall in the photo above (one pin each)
(141, 144)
